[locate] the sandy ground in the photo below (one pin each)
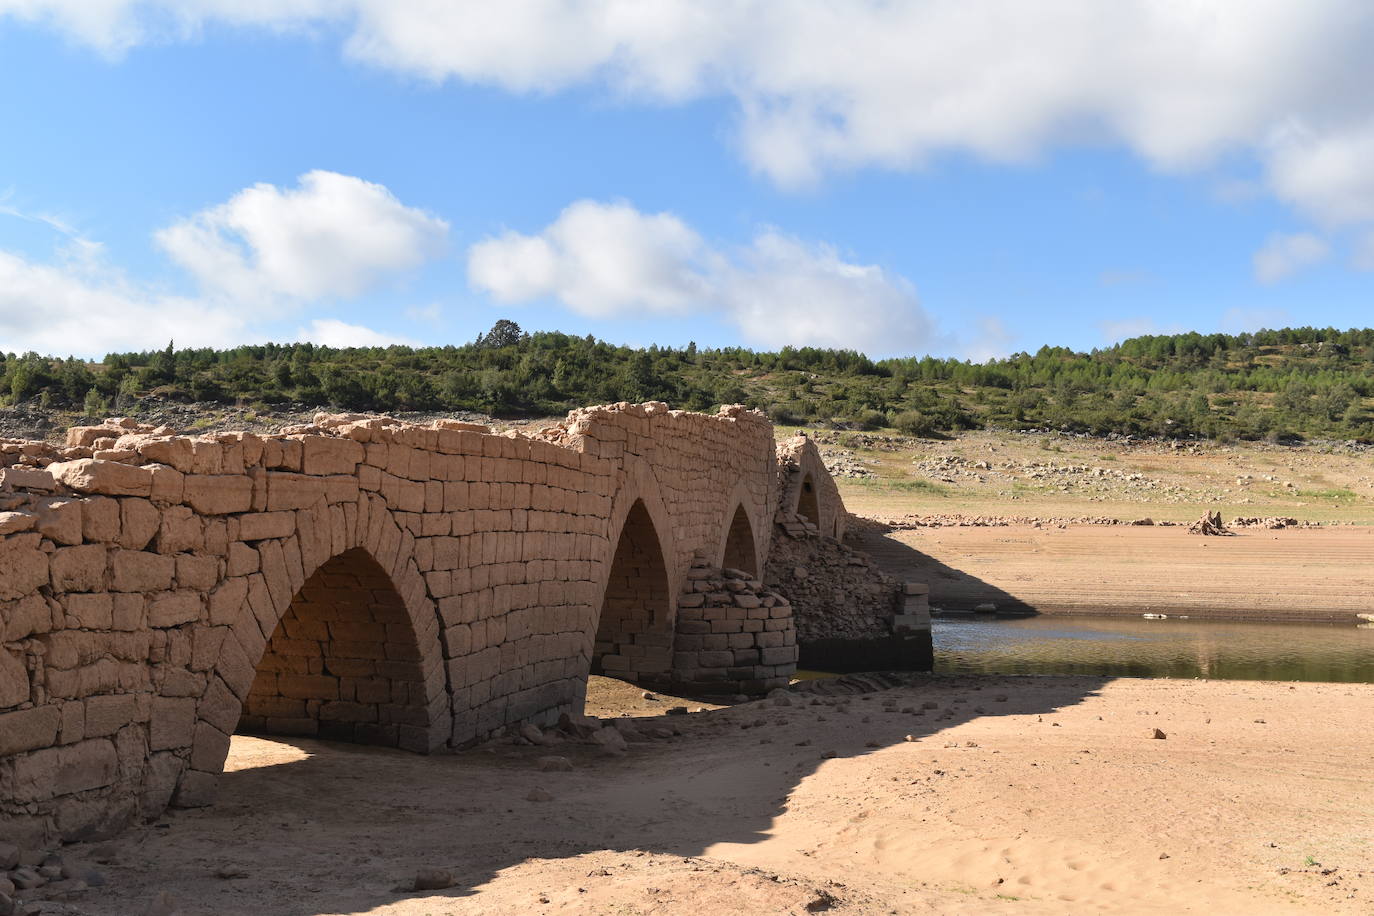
(1016, 795)
(1296, 574)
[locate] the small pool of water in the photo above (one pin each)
(1137, 647)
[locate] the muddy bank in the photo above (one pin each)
(1303, 574)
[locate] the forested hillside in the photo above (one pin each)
(1271, 384)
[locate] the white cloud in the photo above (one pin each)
(333, 236)
(604, 260)
(57, 309)
(331, 332)
(852, 83)
(1284, 255)
(262, 250)
(601, 259)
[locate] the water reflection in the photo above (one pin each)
(1136, 647)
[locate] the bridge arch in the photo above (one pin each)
(636, 614)
(323, 643)
(808, 505)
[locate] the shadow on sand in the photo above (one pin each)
(951, 589)
(344, 828)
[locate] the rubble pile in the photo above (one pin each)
(836, 592)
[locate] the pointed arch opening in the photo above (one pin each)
(807, 504)
(634, 633)
(343, 663)
(741, 552)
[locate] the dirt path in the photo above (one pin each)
(1019, 795)
(1292, 574)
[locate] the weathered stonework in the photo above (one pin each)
(367, 580)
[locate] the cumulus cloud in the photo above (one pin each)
(333, 236)
(1284, 255)
(609, 259)
(54, 309)
(853, 83)
(262, 252)
(331, 332)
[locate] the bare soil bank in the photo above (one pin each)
(1017, 795)
(1291, 574)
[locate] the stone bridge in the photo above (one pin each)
(369, 580)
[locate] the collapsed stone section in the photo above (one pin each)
(837, 592)
(733, 635)
(159, 591)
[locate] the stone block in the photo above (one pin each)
(107, 714)
(174, 608)
(14, 680)
(172, 723)
(110, 478)
(323, 455)
(218, 494)
(78, 569)
(140, 571)
(139, 521)
(23, 567)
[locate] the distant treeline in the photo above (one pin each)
(1295, 382)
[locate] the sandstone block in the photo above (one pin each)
(78, 569)
(91, 612)
(23, 567)
(325, 455)
(59, 520)
(218, 494)
(107, 714)
(139, 571)
(138, 523)
(174, 608)
(256, 526)
(111, 478)
(171, 724)
(28, 729)
(14, 681)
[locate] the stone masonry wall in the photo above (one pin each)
(155, 589)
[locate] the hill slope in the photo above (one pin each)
(1274, 384)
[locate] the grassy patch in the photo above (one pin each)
(903, 486)
(1334, 494)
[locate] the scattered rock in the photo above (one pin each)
(675, 711)
(1158, 734)
(538, 795)
(610, 741)
(555, 765)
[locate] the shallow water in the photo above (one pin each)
(1137, 647)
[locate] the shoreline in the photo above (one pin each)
(1314, 574)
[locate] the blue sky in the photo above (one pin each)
(906, 179)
